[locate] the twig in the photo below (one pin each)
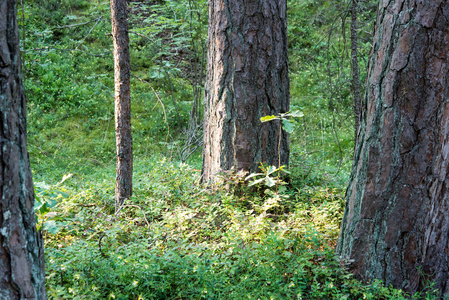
(99, 245)
(23, 34)
(98, 20)
(279, 143)
(157, 96)
(133, 205)
(343, 14)
(194, 139)
(160, 101)
(141, 35)
(79, 24)
(61, 49)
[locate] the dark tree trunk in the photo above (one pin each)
(355, 66)
(119, 19)
(21, 248)
(396, 221)
(247, 78)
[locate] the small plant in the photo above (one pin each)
(266, 176)
(287, 125)
(47, 198)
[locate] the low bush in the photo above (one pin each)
(175, 239)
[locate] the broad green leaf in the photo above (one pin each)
(37, 202)
(297, 114)
(51, 227)
(40, 186)
(288, 126)
(256, 181)
(63, 194)
(253, 175)
(51, 202)
(44, 209)
(271, 169)
(270, 182)
(268, 118)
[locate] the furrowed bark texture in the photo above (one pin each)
(355, 66)
(397, 211)
(21, 247)
(119, 20)
(247, 78)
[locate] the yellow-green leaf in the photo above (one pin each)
(268, 118)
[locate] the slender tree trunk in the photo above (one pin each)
(247, 78)
(119, 19)
(22, 271)
(355, 66)
(396, 220)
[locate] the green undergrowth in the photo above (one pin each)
(177, 239)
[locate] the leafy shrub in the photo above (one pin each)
(177, 240)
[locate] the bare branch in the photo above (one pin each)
(159, 99)
(61, 49)
(98, 21)
(141, 35)
(133, 205)
(79, 24)
(193, 140)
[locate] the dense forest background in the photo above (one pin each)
(177, 239)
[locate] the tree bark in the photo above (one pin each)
(247, 78)
(119, 20)
(396, 221)
(355, 66)
(22, 271)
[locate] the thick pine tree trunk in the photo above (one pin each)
(247, 78)
(21, 246)
(119, 20)
(396, 221)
